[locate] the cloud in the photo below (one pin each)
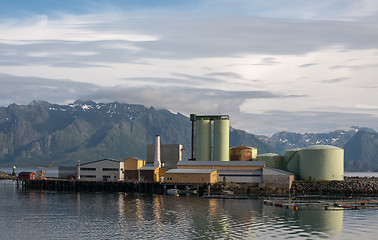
(307, 65)
(336, 80)
(23, 90)
(196, 60)
(274, 121)
(225, 74)
(181, 99)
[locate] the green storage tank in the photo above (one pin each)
(321, 162)
(291, 160)
(271, 160)
(203, 140)
(221, 151)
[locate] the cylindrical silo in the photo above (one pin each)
(203, 140)
(321, 162)
(291, 160)
(271, 160)
(221, 151)
(241, 153)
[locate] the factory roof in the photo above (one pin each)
(321, 147)
(221, 163)
(106, 159)
(188, 170)
(242, 147)
(275, 171)
(267, 155)
(148, 167)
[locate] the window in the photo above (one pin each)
(87, 176)
(87, 169)
(110, 169)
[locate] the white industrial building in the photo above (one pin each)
(101, 170)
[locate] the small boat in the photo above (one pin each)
(173, 191)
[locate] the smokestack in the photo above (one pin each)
(157, 162)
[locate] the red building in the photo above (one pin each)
(26, 175)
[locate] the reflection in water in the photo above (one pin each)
(58, 215)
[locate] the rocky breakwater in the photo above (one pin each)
(4, 175)
(350, 185)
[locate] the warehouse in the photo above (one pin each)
(101, 170)
(229, 171)
(191, 176)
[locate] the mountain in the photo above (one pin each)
(282, 141)
(361, 151)
(40, 132)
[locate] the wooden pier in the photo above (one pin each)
(110, 186)
(323, 204)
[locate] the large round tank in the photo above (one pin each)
(271, 160)
(321, 162)
(291, 160)
(242, 153)
(203, 140)
(221, 151)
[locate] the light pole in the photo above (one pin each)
(78, 170)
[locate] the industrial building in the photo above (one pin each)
(26, 175)
(170, 154)
(230, 171)
(191, 176)
(153, 172)
(101, 170)
(132, 168)
(67, 172)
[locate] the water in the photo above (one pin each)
(61, 215)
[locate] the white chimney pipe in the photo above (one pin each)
(157, 162)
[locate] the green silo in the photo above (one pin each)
(271, 160)
(321, 162)
(221, 151)
(291, 160)
(203, 140)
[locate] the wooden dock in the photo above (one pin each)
(323, 204)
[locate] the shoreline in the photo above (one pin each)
(359, 186)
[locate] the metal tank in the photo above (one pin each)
(291, 160)
(243, 153)
(203, 140)
(271, 160)
(221, 151)
(321, 162)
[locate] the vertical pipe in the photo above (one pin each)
(157, 162)
(192, 158)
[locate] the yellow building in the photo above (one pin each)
(150, 173)
(229, 171)
(132, 166)
(191, 176)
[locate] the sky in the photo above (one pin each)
(275, 65)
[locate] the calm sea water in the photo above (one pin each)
(62, 215)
